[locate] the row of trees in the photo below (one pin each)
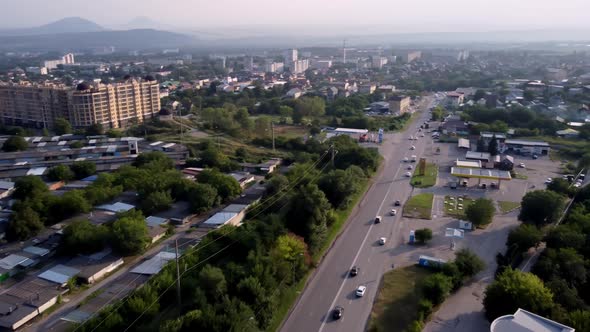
(236, 278)
(498, 120)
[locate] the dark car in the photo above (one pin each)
(338, 312)
(397, 203)
(354, 271)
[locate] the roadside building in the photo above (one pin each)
(568, 133)
(523, 147)
(399, 104)
(455, 99)
(455, 127)
(506, 163)
(463, 143)
(266, 167)
(525, 321)
(6, 188)
(468, 163)
(95, 267)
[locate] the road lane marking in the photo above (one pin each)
(325, 320)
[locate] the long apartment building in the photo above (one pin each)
(112, 105)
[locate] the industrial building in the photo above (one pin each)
(525, 321)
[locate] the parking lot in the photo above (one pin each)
(463, 311)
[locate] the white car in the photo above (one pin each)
(360, 291)
(548, 181)
(382, 240)
(393, 212)
(577, 185)
(406, 159)
(408, 174)
(411, 138)
(412, 148)
(522, 165)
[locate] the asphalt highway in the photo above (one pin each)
(358, 245)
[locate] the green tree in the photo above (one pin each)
(493, 146)
(481, 145)
(308, 215)
(479, 93)
(565, 236)
(156, 201)
(226, 186)
(83, 169)
(60, 173)
(24, 224)
(81, 236)
(129, 235)
(94, 129)
(29, 186)
(560, 186)
(68, 205)
(62, 126)
(339, 185)
(438, 113)
(285, 112)
(423, 235)
(289, 256)
(514, 289)
(524, 237)
(541, 207)
(480, 212)
(437, 287)
(468, 263)
(155, 160)
(262, 126)
(202, 198)
(212, 280)
(15, 143)
(76, 145)
(579, 320)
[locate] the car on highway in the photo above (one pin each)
(397, 203)
(354, 271)
(393, 212)
(360, 291)
(535, 156)
(378, 219)
(411, 138)
(406, 159)
(522, 165)
(408, 174)
(338, 312)
(409, 167)
(382, 240)
(577, 184)
(412, 147)
(548, 181)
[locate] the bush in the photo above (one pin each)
(424, 309)
(415, 326)
(480, 212)
(468, 263)
(423, 235)
(15, 143)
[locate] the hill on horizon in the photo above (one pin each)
(64, 25)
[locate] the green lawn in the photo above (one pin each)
(397, 301)
(426, 180)
(520, 176)
(419, 206)
(455, 206)
(507, 206)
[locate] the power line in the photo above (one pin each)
(194, 266)
(282, 194)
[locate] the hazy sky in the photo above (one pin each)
(408, 15)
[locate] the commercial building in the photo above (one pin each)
(67, 59)
(525, 321)
(399, 104)
(412, 56)
(526, 147)
(112, 105)
(455, 99)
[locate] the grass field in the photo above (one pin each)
(396, 304)
(419, 206)
(520, 176)
(426, 180)
(507, 206)
(455, 206)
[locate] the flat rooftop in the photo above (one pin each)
(524, 321)
(465, 172)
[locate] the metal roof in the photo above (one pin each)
(468, 163)
(463, 143)
(465, 172)
(526, 143)
(37, 171)
(154, 264)
(11, 261)
(116, 207)
(220, 218)
(6, 185)
(155, 221)
(477, 155)
(36, 251)
(350, 131)
(59, 274)
(237, 208)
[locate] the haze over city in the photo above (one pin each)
(393, 16)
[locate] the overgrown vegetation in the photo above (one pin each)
(419, 206)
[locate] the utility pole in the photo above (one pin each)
(333, 154)
(177, 275)
(272, 129)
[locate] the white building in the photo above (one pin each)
(323, 64)
(274, 67)
(290, 56)
(524, 321)
(378, 62)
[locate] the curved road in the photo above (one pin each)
(358, 245)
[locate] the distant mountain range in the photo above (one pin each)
(65, 25)
(75, 33)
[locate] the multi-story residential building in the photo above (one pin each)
(112, 105)
(32, 105)
(412, 56)
(399, 104)
(290, 56)
(274, 67)
(378, 62)
(299, 66)
(67, 59)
